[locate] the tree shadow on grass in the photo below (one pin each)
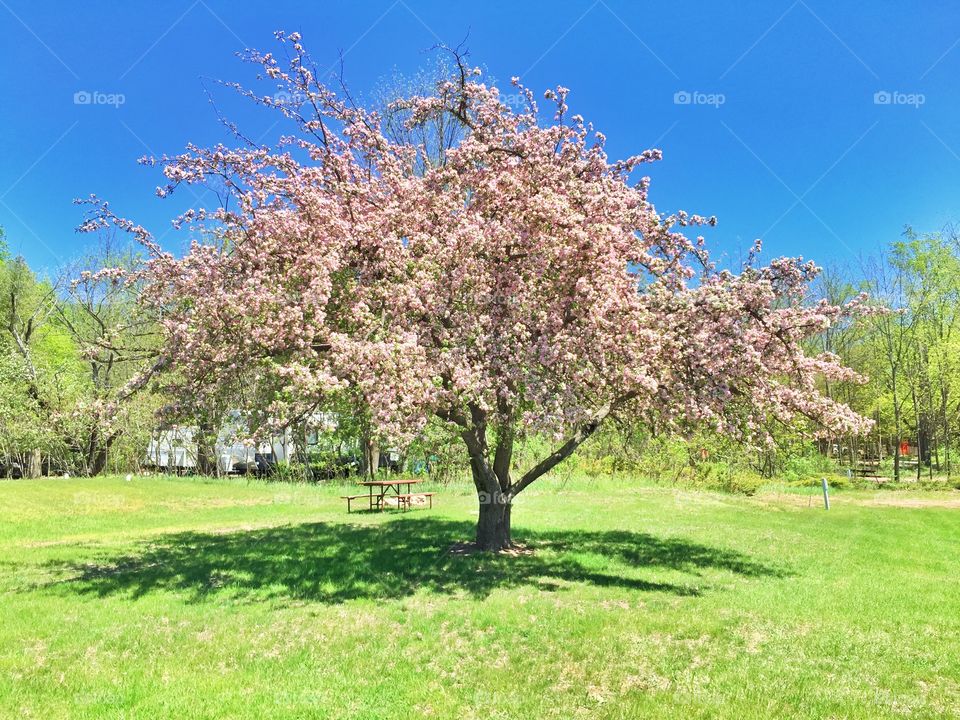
(335, 562)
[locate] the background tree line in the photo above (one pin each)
(909, 354)
(72, 344)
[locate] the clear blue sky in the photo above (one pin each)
(799, 152)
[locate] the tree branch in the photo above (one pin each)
(573, 442)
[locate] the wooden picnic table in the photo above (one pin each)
(379, 490)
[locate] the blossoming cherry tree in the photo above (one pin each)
(522, 283)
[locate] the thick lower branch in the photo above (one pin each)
(503, 456)
(483, 476)
(566, 450)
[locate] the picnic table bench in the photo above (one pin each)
(380, 493)
(867, 469)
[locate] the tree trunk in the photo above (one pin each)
(302, 451)
(371, 457)
(98, 452)
(207, 448)
(97, 463)
(945, 427)
(896, 443)
(32, 466)
(493, 523)
(920, 431)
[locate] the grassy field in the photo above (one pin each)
(226, 599)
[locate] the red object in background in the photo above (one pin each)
(904, 448)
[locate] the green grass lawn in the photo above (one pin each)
(185, 598)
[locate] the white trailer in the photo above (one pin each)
(176, 449)
(173, 449)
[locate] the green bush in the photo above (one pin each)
(810, 465)
(726, 477)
